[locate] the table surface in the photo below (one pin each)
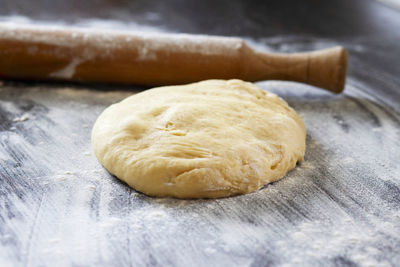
(341, 207)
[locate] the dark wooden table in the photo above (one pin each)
(341, 207)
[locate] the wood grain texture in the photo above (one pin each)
(341, 207)
(44, 52)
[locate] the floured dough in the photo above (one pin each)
(208, 139)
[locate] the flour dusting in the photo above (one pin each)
(68, 71)
(24, 117)
(340, 206)
(147, 43)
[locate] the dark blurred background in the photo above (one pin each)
(369, 29)
(335, 19)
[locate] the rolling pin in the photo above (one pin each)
(81, 54)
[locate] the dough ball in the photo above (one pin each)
(209, 139)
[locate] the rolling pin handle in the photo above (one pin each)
(323, 68)
(327, 69)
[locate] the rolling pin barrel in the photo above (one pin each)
(76, 54)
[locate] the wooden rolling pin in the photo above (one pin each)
(79, 54)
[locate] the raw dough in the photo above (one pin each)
(208, 139)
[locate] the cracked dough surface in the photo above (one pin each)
(209, 139)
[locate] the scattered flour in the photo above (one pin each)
(85, 235)
(91, 187)
(24, 117)
(210, 250)
(61, 178)
(69, 70)
(307, 165)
